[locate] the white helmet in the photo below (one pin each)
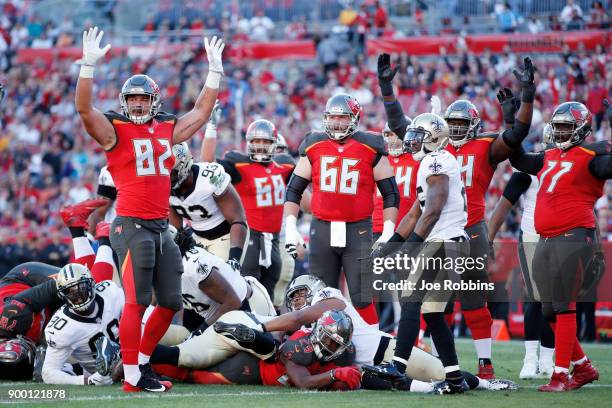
(183, 160)
(76, 286)
(427, 133)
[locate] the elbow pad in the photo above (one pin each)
(296, 188)
(515, 136)
(389, 191)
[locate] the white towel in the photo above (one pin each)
(337, 232)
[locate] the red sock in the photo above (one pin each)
(368, 313)
(174, 372)
(87, 260)
(156, 327)
(129, 332)
(565, 338)
(208, 377)
(577, 352)
(479, 322)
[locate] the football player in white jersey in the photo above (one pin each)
(91, 311)
(202, 193)
(211, 287)
(432, 230)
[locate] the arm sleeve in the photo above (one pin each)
(396, 118)
(601, 166)
(530, 163)
(519, 183)
(231, 170)
(52, 372)
(39, 296)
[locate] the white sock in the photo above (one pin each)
(581, 361)
(143, 358)
(546, 355)
(531, 349)
(82, 247)
(561, 370)
(482, 384)
(105, 254)
(421, 386)
(131, 373)
(433, 347)
(483, 348)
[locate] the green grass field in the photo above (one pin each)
(508, 360)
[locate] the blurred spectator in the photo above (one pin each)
(380, 19)
(534, 25)
(599, 17)
(571, 16)
(260, 27)
(329, 51)
(506, 18)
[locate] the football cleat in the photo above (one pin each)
(583, 374)
(102, 230)
(545, 369)
(149, 381)
(77, 215)
(447, 387)
(107, 355)
(385, 370)
(485, 370)
(529, 370)
(559, 382)
(501, 385)
(235, 331)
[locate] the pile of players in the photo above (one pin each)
(177, 231)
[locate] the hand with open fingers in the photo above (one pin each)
(214, 51)
(350, 375)
(91, 47)
(509, 104)
(385, 72)
(215, 115)
(526, 75)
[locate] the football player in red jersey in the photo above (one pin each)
(260, 178)
(478, 157)
(345, 166)
(138, 145)
(572, 176)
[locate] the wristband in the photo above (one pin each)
(211, 132)
(388, 228)
(396, 238)
(87, 71)
(414, 237)
(213, 79)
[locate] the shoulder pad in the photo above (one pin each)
(284, 158)
(112, 115)
(236, 157)
(327, 293)
(165, 116)
(599, 148)
(310, 139)
(298, 349)
(373, 140)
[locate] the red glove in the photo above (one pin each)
(350, 375)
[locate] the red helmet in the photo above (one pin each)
(140, 85)
(466, 112)
(346, 107)
(571, 123)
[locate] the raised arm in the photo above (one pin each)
(94, 121)
(209, 144)
(395, 114)
(188, 124)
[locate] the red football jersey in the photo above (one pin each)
(405, 168)
(262, 189)
(140, 163)
(567, 192)
(476, 173)
(343, 175)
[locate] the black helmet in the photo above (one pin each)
(341, 105)
(331, 334)
(140, 85)
(261, 129)
(466, 111)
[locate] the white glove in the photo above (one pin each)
(214, 50)
(91, 47)
(215, 115)
(436, 105)
(99, 379)
(388, 230)
(293, 238)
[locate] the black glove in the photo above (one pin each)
(184, 240)
(235, 264)
(608, 106)
(386, 74)
(526, 77)
(509, 105)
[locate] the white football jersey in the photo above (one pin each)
(107, 189)
(454, 214)
(72, 336)
(366, 338)
(197, 264)
(199, 207)
(529, 201)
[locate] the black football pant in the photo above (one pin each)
(256, 251)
